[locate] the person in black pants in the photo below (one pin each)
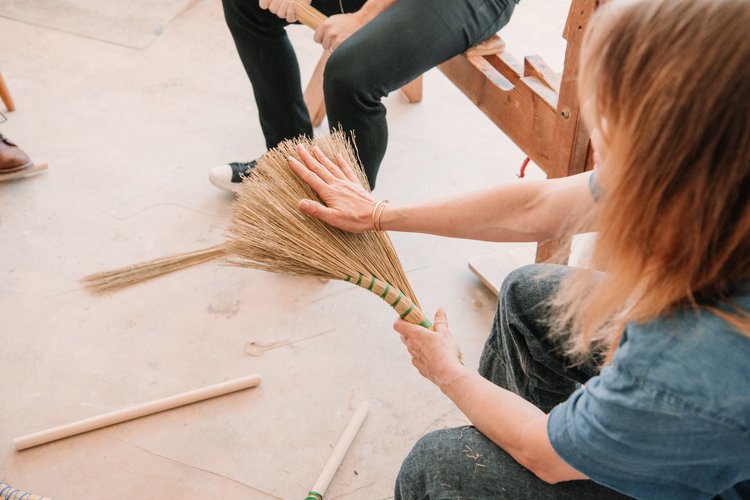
(378, 46)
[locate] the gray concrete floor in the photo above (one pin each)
(129, 134)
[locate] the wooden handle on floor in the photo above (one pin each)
(338, 453)
(133, 412)
(308, 15)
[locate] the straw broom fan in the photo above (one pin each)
(268, 232)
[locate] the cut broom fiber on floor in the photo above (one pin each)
(268, 232)
(117, 279)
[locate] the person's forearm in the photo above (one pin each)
(508, 212)
(534, 210)
(511, 422)
(372, 8)
(529, 211)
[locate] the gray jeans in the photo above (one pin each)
(461, 462)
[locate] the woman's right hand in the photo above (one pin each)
(348, 205)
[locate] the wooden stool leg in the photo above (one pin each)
(571, 151)
(5, 95)
(413, 90)
(314, 100)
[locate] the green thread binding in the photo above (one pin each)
(426, 323)
(313, 495)
(408, 311)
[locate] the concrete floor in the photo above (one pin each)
(129, 133)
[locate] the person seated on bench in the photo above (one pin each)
(632, 379)
(378, 46)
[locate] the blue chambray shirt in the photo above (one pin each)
(670, 416)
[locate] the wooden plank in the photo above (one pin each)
(571, 139)
(493, 45)
(495, 84)
(535, 66)
(541, 90)
(491, 269)
(571, 136)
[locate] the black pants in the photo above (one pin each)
(462, 462)
(400, 44)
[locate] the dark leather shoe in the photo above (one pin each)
(12, 158)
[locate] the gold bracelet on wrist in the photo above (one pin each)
(377, 213)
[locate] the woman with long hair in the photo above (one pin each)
(633, 378)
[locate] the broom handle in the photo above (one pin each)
(338, 453)
(403, 305)
(308, 15)
(141, 410)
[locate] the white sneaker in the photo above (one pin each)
(229, 176)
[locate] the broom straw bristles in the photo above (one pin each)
(110, 281)
(269, 232)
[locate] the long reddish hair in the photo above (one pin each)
(669, 85)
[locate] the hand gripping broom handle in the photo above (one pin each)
(308, 15)
(394, 297)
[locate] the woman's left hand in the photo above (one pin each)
(435, 354)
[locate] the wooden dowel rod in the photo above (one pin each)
(133, 412)
(338, 453)
(308, 15)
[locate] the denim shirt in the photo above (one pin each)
(670, 416)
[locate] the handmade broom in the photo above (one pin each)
(268, 232)
(116, 279)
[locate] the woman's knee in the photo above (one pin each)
(529, 290)
(451, 463)
(522, 306)
(347, 77)
(423, 463)
(520, 281)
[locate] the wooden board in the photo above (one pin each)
(491, 269)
